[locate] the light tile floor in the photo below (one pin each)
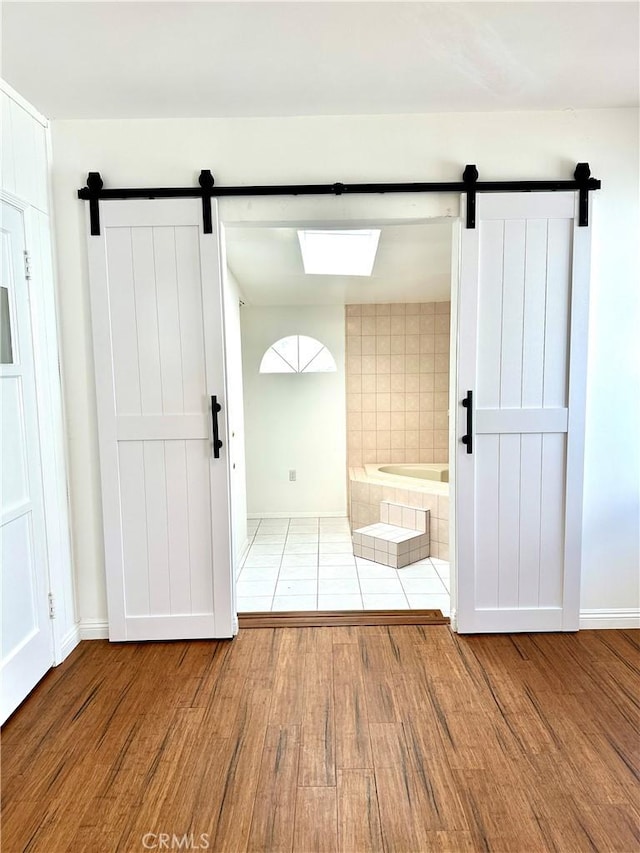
(308, 564)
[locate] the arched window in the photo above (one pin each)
(297, 354)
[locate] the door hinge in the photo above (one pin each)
(52, 607)
(27, 265)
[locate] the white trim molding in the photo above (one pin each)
(69, 642)
(622, 617)
(10, 92)
(94, 629)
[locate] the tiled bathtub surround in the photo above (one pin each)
(365, 498)
(397, 382)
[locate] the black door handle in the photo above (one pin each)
(215, 408)
(468, 438)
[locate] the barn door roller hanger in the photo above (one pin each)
(582, 182)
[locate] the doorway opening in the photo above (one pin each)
(339, 418)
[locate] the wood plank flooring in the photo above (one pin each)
(355, 739)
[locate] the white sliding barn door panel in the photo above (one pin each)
(159, 358)
(27, 642)
(522, 329)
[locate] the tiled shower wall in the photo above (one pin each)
(397, 382)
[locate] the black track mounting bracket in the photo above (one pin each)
(94, 191)
(582, 175)
(470, 178)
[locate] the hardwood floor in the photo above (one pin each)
(399, 738)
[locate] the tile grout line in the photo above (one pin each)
(257, 531)
(340, 554)
(284, 548)
(290, 530)
(246, 556)
(358, 576)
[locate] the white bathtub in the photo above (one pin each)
(421, 471)
(412, 476)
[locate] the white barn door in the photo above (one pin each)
(522, 333)
(158, 335)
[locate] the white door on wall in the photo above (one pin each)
(522, 335)
(27, 644)
(157, 318)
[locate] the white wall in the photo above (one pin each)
(429, 147)
(25, 179)
(235, 414)
(294, 421)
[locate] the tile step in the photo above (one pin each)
(390, 544)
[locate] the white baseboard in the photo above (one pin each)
(69, 642)
(98, 629)
(94, 629)
(624, 617)
(336, 514)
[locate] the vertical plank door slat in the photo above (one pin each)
(490, 279)
(534, 313)
(134, 528)
(144, 282)
(512, 314)
(509, 515)
(552, 519)
(487, 520)
(169, 328)
(200, 544)
(157, 527)
(178, 526)
(191, 319)
(124, 334)
(556, 345)
(530, 520)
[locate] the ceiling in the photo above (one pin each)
(210, 59)
(412, 264)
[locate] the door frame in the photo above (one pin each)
(359, 221)
(52, 432)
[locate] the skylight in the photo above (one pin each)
(339, 252)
